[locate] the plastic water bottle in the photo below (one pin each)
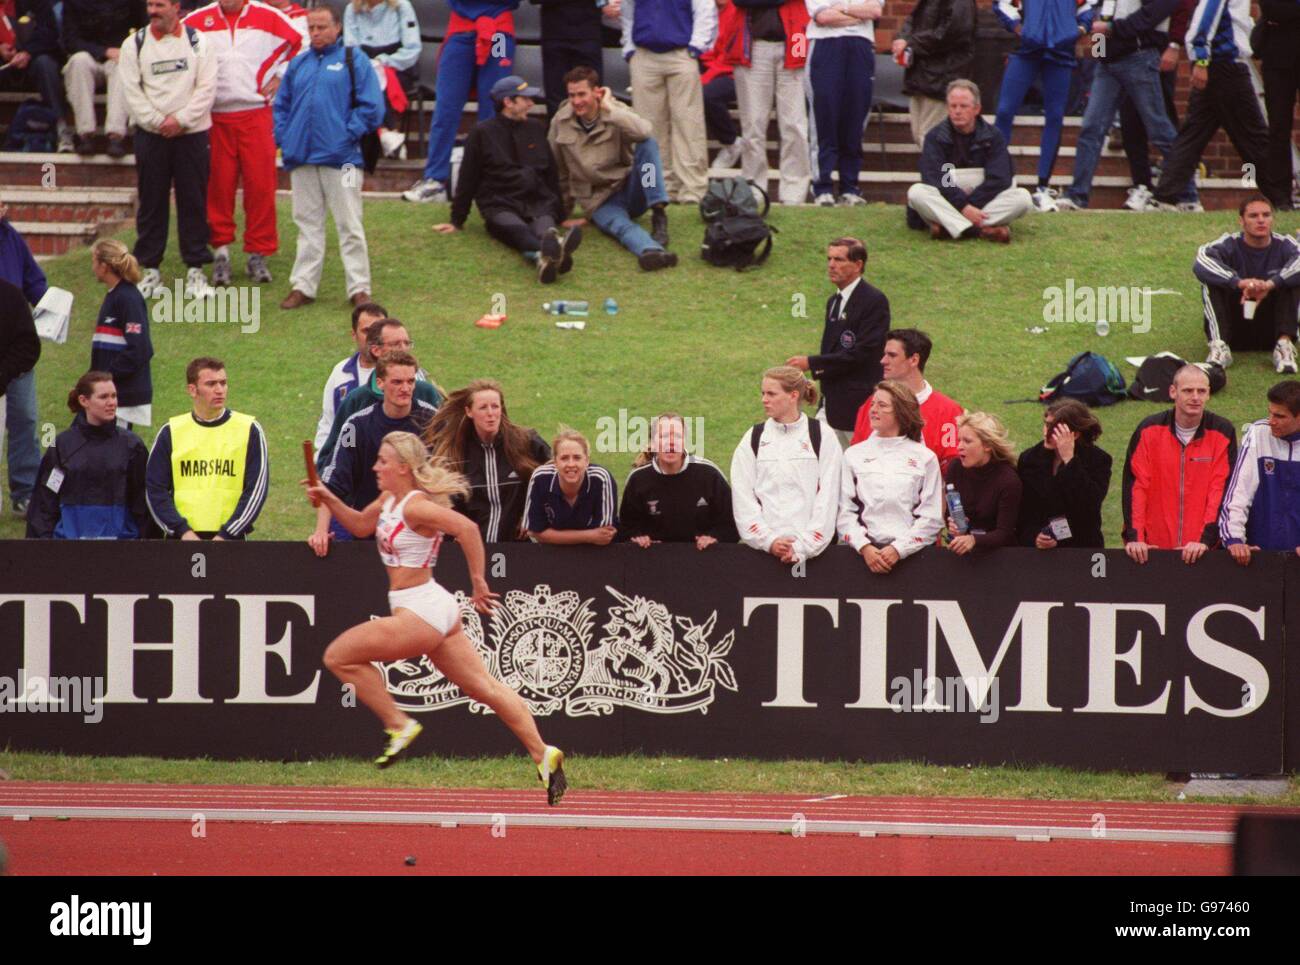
(1103, 327)
(611, 307)
(565, 308)
(955, 510)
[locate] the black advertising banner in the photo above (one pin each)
(1291, 739)
(1068, 657)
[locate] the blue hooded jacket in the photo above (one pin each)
(1048, 28)
(315, 122)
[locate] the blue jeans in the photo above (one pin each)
(1137, 75)
(616, 216)
(20, 430)
(457, 72)
(1054, 80)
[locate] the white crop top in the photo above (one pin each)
(398, 544)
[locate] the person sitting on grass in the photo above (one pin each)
(1250, 287)
(984, 476)
(967, 187)
(570, 500)
(672, 496)
(891, 491)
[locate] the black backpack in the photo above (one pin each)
(734, 226)
(814, 436)
(1088, 377)
(369, 144)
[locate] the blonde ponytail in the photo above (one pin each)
(118, 259)
(431, 475)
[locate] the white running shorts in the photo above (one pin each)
(430, 602)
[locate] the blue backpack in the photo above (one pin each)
(34, 129)
(1090, 378)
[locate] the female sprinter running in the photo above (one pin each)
(408, 521)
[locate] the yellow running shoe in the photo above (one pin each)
(551, 773)
(398, 741)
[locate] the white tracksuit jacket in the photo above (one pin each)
(891, 492)
(788, 490)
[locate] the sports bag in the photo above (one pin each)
(1090, 378)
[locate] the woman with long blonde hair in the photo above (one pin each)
(984, 476)
(121, 345)
(408, 520)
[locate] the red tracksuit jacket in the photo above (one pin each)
(1172, 493)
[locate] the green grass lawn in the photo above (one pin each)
(630, 772)
(694, 339)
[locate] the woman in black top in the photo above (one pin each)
(1065, 480)
(983, 474)
(473, 435)
(672, 496)
(121, 345)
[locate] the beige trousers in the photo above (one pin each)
(924, 113)
(81, 75)
(667, 92)
(926, 201)
(757, 86)
(317, 190)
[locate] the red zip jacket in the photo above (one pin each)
(794, 17)
(1172, 493)
(717, 61)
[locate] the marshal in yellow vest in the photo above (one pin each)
(208, 468)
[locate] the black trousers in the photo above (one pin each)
(522, 233)
(1274, 316)
(1228, 101)
(718, 96)
(1281, 84)
(561, 56)
(1133, 133)
(161, 162)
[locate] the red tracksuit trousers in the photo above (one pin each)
(243, 145)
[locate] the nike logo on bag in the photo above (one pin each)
(702, 502)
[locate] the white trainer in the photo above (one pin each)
(1284, 357)
(1220, 354)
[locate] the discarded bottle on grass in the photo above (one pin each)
(1103, 327)
(565, 308)
(611, 307)
(955, 510)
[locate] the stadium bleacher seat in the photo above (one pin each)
(616, 75)
(433, 16)
(528, 23)
(886, 94)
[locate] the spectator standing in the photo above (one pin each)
(349, 473)
(91, 481)
(570, 500)
(571, 37)
(1223, 96)
(93, 34)
(1064, 479)
(19, 350)
(967, 187)
(1280, 67)
(1175, 472)
(297, 15)
(1128, 66)
(40, 56)
(474, 436)
(121, 345)
(891, 490)
(841, 68)
(785, 474)
(477, 51)
(903, 360)
(387, 32)
(1250, 288)
(941, 37)
(857, 320)
(351, 371)
(168, 75)
(385, 337)
(208, 471)
(717, 77)
(252, 41)
(1260, 509)
(663, 41)
(770, 69)
(672, 496)
(984, 475)
(508, 169)
(1048, 31)
(322, 110)
(608, 162)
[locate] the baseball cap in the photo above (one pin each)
(513, 86)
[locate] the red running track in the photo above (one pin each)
(592, 832)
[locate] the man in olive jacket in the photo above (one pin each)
(609, 164)
(941, 37)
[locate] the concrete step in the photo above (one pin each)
(57, 238)
(70, 205)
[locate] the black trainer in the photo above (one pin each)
(548, 259)
(655, 258)
(571, 242)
